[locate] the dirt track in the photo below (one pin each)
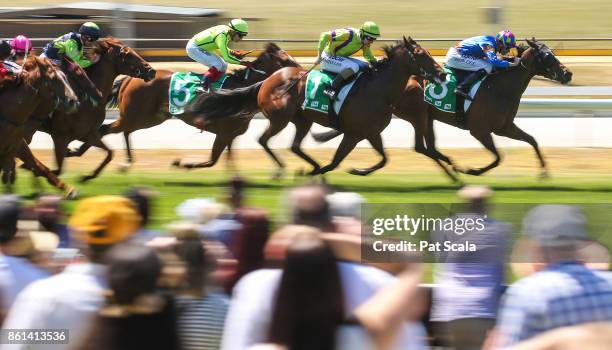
(517, 161)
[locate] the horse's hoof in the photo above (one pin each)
(71, 193)
(474, 172)
(84, 179)
(278, 174)
(124, 167)
(176, 163)
(55, 172)
(544, 175)
(359, 172)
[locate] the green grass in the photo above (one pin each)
(429, 187)
(419, 18)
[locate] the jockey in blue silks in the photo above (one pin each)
(479, 56)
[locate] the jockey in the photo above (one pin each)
(479, 56)
(203, 46)
(21, 46)
(72, 44)
(5, 71)
(336, 47)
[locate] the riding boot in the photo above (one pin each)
(463, 87)
(332, 90)
(210, 77)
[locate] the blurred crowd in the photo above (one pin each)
(222, 278)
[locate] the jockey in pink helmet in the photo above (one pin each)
(21, 46)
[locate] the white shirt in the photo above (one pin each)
(68, 300)
(15, 275)
(253, 297)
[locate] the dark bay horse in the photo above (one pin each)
(87, 92)
(114, 59)
(40, 83)
(366, 112)
(493, 110)
(129, 93)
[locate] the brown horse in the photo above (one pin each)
(40, 83)
(493, 110)
(128, 94)
(114, 59)
(366, 112)
(87, 92)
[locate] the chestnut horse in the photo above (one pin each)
(114, 59)
(39, 83)
(87, 93)
(366, 112)
(129, 93)
(493, 110)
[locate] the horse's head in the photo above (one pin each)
(78, 78)
(50, 83)
(545, 62)
(124, 58)
(274, 58)
(426, 66)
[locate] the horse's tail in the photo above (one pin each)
(113, 99)
(325, 136)
(226, 103)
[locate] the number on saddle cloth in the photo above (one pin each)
(442, 96)
(184, 87)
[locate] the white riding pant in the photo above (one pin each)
(204, 57)
(55, 61)
(455, 60)
(337, 64)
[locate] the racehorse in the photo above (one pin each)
(493, 110)
(87, 93)
(366, 112)
(39, 83)
(128, 94)
(114, 59)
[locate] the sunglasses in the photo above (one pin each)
(241, 35)
(369, 38)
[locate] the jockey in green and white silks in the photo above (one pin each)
(72, 44)
(336, 47)
(203, 48)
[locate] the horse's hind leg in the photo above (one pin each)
(514, 132)
(376, 142)
(302, 126)
(347, 144)
(487, 141)
(96, 141)
(274, 128)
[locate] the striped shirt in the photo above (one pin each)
(201, 320)
(564, 294)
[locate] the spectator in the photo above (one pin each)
(70, 300)
(249, 317)
(142, 199)
(136, 316)
(201, 311)
(564, 292)
(50, 215)
(469, 284)
(591, 336)
(308, 306)
(15, 273)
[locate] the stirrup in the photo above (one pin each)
(463, 94)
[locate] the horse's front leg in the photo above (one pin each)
(376, 142)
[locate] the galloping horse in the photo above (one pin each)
(493, 110)
(115, 59)
(87, 93)
(129, 93)
(366, 112)
(40, 83)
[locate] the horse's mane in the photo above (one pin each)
(390, 53)
(269, 49)
(32, 67)
(102, 44)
